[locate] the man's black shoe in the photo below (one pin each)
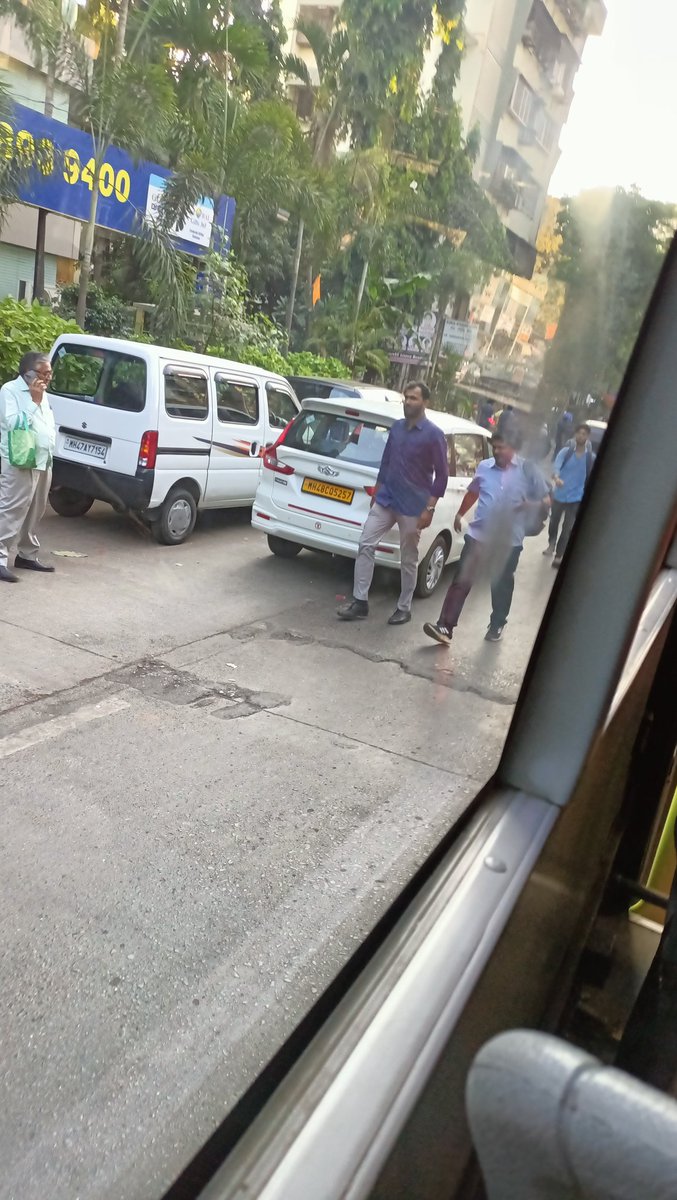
(399, 617)
(7, 576)
(32, 564)
(494, 633)
(357, 610)
(439, 633)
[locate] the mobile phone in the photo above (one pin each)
(30, 377)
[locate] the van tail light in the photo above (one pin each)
(371, 491)
(270, 460)
(148, 449)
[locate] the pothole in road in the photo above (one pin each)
(157, 680)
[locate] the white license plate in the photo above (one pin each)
(82, 446)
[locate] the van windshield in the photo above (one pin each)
(99, 376)
(350, 439)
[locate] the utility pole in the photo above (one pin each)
(41, 233)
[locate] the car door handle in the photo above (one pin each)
(254, 450)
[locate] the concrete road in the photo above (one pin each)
(211, 791)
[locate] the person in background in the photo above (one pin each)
(24, 492)
(485, 414)
(538, 442)
(504, 489)
(563, 430)
(572, 467)
(412, 477)
(506, 421)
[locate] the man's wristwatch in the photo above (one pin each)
(430, 508)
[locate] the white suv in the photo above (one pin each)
(318, 479)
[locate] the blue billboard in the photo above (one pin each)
(61, 176)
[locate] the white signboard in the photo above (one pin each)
(196, 228)
(459, 337)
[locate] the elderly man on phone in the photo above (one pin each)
(24, 491)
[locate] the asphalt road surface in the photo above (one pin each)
(211, 790)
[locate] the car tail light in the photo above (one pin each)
(148, 449)
(270, 460)
(371, 491)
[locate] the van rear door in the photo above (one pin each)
(99, 399)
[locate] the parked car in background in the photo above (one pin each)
(597, 431)
(318, 480)
(158, 431)
(305, 386)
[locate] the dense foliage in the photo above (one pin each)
(26, 327)
(374, 187)
(611, 250)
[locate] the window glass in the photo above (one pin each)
(469, 452)
(236, 403)
(281, 407)
(451, 456)
(99, 376)
(186, 394)
(334, 436)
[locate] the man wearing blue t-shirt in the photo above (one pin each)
(571, 469)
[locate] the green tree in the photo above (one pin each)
(612, 246)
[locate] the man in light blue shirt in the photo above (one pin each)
(571, 471)
(24, 490)
(507, 492)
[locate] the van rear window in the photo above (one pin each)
(99, 376)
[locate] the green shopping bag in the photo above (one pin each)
(21, 445)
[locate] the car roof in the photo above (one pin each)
(364, 389)
(388, 411)
(147, 349)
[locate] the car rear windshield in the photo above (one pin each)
(99, 376)
(350, 439)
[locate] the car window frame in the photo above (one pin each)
(233, 380)
(188, 371)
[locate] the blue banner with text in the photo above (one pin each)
(61, 173)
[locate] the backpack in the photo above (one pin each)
(589, 459)
(536, 515)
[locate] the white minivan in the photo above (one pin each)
(160, 432)
(318, 480)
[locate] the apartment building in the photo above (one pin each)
(515, 87)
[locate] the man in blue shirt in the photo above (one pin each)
(412, 478)
(506, 491)
(572, 469)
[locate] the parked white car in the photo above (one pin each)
(158, 431)
(318, 480)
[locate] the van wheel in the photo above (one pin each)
(177, 518)
(430, 570)
(283, 548)
(68, 503)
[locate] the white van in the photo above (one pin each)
(160, 432)
(318, 480)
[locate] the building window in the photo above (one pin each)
(522, 101)
(545, 130)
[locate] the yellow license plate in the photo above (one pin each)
(330, 491)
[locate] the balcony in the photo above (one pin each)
(585, 17)
(554, 53)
